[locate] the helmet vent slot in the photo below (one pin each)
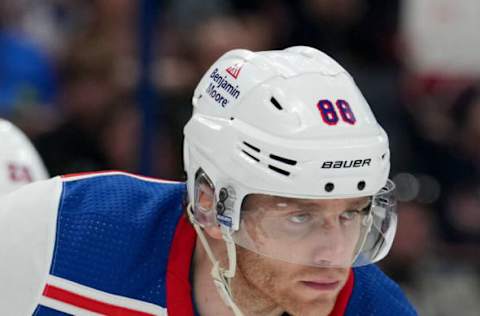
(281, 171)
(275, 103)
(251, 147)
(250, 155)
(283, 159)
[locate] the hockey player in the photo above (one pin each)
(287, 206)
(19, 161)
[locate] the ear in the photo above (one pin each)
(206, 202)
(206, 197)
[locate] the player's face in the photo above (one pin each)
(290, 243)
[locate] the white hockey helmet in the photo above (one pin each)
(289, 123)
(19, 161)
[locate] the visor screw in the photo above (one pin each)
(220, 208)
(329, 187)
(223, 194)
(361, 185)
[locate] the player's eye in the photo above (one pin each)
(299, 218)
(349, 215)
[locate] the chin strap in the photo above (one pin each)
(221, 277)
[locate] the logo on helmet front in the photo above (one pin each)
(220, 89)
(234, 70)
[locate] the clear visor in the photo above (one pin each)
(319, 232)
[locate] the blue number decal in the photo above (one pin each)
(327, 111)
(329, 114)
(345, 111)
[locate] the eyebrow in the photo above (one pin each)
(361, 203)
(353, 205)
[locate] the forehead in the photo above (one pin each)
(263, 200)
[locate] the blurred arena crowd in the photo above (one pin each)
(70, 73)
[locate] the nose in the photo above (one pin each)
(329, 246)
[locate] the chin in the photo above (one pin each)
(319, 306)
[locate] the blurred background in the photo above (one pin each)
(107, 84)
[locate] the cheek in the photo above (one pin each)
(275, 277)
(264, 273)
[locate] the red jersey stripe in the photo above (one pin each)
(179, 289)
(89, 304)
(344, 297)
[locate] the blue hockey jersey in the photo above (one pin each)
(119, 244)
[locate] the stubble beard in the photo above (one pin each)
(264, 286)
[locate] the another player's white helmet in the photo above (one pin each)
(19, 161)
(292, 124)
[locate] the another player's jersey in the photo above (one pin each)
(86, 244)
(119, 244)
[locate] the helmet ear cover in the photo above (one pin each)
(204, 200)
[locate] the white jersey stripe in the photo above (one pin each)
(102, 297)
(79, 176)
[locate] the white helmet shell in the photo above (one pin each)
(290, 123)
(19, 161)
